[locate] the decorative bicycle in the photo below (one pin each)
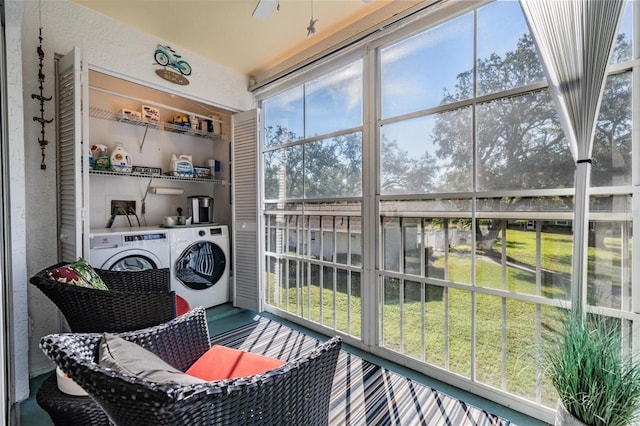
(167, 57)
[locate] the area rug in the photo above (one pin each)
(363, 393)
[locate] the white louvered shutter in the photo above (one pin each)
(72, 182)
(246, 250)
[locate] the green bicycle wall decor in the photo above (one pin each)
(165, 56)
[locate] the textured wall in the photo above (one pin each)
(107, 46)
(113, 46)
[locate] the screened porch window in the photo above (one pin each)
(312, 168)
(443, 148)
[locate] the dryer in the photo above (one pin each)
(129, 249)
(200, 264)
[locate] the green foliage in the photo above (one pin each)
(320, 169)
(595, 382)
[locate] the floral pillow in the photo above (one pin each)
(78, 273)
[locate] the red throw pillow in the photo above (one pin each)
(220, 363)
(182, 306)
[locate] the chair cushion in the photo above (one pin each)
(220, 363)
(182, 306)
(78, 273)
(129, 358)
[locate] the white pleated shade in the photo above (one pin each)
(575, 40)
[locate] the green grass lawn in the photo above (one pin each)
(434, 324)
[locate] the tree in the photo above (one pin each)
(612, 143)
(401, 174)
(333, 168)
(283, 171)
(519, 142)
(319, 169)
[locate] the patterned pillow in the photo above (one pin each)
(78, 273)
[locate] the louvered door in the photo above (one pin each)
(246, 250)
(72, 174)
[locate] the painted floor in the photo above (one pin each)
(225, 317)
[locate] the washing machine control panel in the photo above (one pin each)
(145, 237)
(212, 231)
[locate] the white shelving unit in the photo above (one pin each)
(168, 127)
(160, 177)
(151, 145)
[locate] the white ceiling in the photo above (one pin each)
(225, 32)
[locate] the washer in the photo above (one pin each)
(129, 249)
(200, 264)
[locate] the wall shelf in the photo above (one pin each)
(167, 127)
(160, 177)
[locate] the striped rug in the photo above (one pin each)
(363, 393)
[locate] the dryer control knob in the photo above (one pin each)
(202, 233)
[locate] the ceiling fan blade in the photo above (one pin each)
(264, 9)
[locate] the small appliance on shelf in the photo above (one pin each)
(201, 209)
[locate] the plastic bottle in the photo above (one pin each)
(120, 160)
(100, 157)
(182, 165)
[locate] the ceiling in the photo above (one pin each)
(225, 32)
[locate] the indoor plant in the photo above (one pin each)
(595, 382)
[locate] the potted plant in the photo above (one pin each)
(597, 385)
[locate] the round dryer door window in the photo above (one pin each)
(133, 263)
(201, 265)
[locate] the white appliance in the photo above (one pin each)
(200, 264)
(130, 249)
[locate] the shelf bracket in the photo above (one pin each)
(144, 137)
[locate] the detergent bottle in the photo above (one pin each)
(120, 161)
(182, 165)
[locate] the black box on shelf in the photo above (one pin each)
(143, 170)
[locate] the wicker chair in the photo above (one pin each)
(296, 393)
(134, 300)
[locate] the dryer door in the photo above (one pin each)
(132, 260)
(200, 265)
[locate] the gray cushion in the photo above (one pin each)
(129, 358)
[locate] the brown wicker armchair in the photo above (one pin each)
(134, 300)
(296, 393)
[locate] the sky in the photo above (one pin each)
(441, 53)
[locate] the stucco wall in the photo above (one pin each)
(110, 46)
